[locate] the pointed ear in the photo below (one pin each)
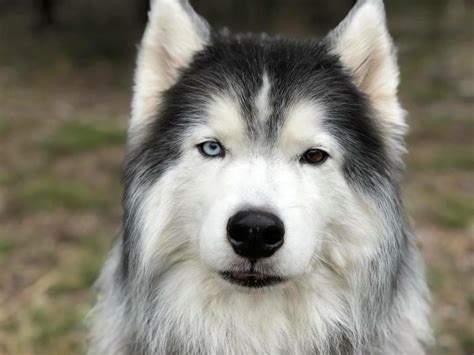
(173, 35)
(365, 48)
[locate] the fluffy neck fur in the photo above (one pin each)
(375, 307)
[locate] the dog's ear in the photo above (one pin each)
(365, 48)
(173, 35)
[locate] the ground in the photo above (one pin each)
(63, 116)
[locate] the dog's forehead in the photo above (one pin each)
(263, 118)
(258, 87)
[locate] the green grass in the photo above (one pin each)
(467, 341)
(79, 267)
(455, 213)
(431, 93)
(456, 129)
(470, 299)
(435, 278)
(445, 160)
(5, 127)
(51, 325)
(9, 177)
(434, 205)
(7, 245)
(73, 137)
(10, 326)
(51, 194)
(4, 178)
(80, 275)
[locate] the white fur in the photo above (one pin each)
(365, 47)
(173, 35)
(262, 100)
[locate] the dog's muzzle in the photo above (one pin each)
(255, 234)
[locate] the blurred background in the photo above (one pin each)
(65, 84)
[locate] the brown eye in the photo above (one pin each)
(314, 156)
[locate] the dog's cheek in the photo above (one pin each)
(214, 249)
(352, 232)
(299, 204)
(321, 197)
(207, 203)
(161, 209)
(198, 189)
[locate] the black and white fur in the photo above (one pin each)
(354, 280)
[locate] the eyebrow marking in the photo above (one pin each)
(225, 118)
(303, 126)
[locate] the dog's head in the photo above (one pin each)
(257, 160)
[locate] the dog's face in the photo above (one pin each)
(264, 185)
(257, 160)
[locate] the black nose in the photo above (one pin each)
(255, 234)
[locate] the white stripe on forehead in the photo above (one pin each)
(262, 100)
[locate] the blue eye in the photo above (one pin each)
(212, 149)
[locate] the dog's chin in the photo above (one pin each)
(251, 279)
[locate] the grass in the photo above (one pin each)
(436, 207)
(51, 194)
(82, 271)
(53, 322)
(49, 326)
(7, 245)
(467, 341)
(4, 178)
(444, 160)
(76, 136)
(470, 299)
(80, 265)
(5, 128)
(431, 93)
(435, 278)
(455, 213)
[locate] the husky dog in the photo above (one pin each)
(262, 211)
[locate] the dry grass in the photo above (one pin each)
(62, 128)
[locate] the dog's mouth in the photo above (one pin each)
(251, 279)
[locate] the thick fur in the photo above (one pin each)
(354, 280)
